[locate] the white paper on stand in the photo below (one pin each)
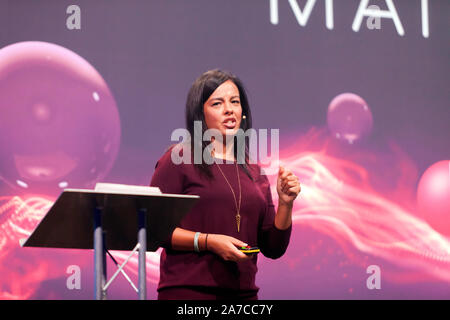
(126, 189)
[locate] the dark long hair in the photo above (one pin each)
(200, 91)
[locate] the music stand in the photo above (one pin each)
(89, 219)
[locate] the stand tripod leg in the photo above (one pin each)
(99, 256)
(142, 239)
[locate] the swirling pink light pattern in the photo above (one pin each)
(338, 200)
(18, 217)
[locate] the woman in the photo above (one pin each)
(201, 259)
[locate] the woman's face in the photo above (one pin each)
(223, 109)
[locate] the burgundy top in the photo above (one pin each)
(215, 212)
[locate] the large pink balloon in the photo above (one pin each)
(59, 123)
(433, 196)
(349, 117)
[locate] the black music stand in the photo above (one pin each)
(89, 219)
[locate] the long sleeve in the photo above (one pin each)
(272, 241)
(169, 178)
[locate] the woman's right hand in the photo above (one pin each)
(227, 247)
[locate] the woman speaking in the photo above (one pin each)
(204, 258)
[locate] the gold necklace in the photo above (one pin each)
(238, 208)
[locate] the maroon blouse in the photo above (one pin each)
(215, 212)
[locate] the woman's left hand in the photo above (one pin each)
(288, 186)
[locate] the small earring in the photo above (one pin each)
(244, 117)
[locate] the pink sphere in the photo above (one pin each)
(433, 196)
(59, 123)
(349, 117)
